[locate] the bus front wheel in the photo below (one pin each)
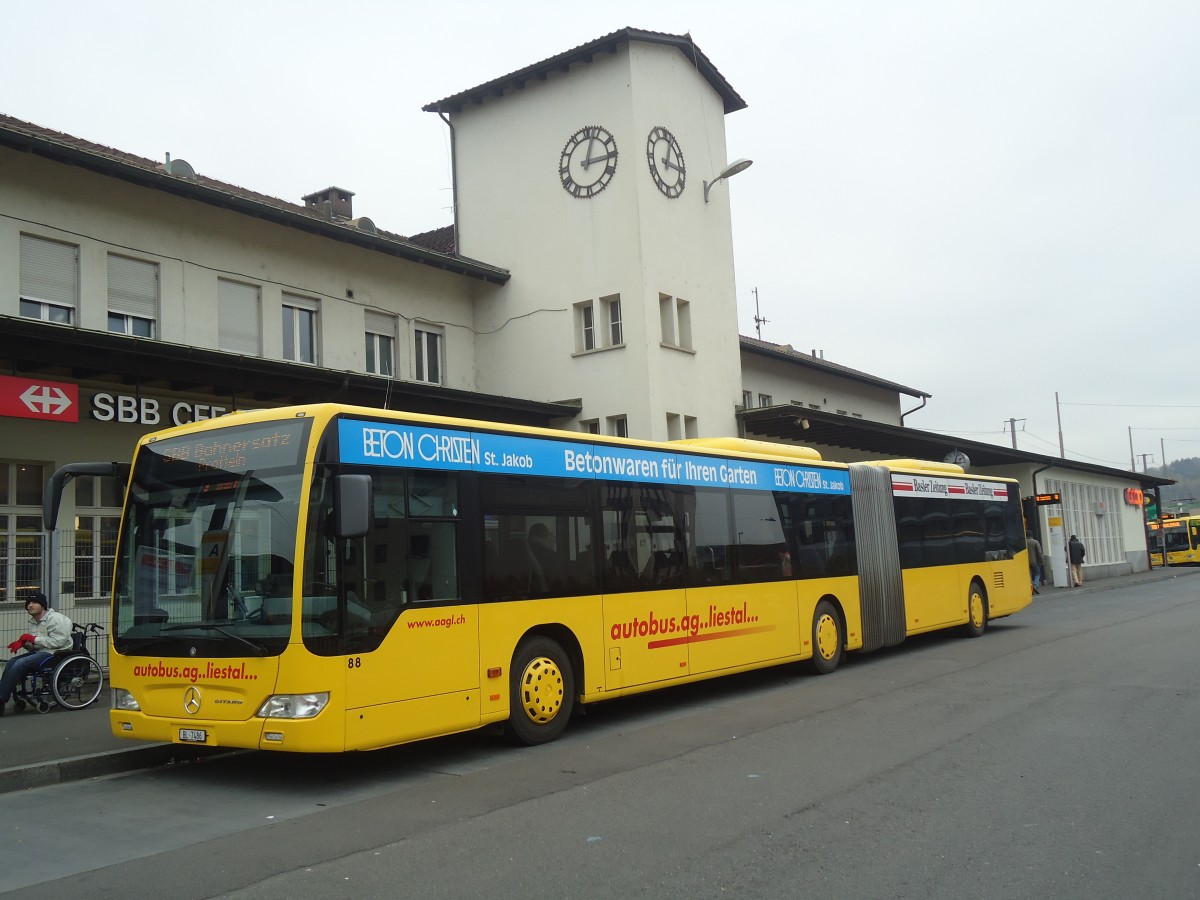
(542, 692)
(827, 638)
(977, 611)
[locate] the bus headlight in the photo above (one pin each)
(122, 699)
(293, 706)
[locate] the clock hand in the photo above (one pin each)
(587, 162)
(666, 161)
(587, 157)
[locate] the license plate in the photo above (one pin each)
(193, 735)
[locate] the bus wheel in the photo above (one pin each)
(977, 613)
(827, 639)
(543, 692)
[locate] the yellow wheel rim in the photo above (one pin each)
(977, 609)
(827, 637)
(541, 690)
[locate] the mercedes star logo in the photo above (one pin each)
(191, 700)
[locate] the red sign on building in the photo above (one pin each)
(28, 398)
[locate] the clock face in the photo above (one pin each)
(588, 161)
(666, 162)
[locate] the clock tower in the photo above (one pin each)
(583, 175)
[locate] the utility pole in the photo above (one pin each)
(1144, 457)
(1058, 412)
(1132, 467)
(1012, 427)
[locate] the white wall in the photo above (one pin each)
(789, 383)
(628, 239)
(195, 244)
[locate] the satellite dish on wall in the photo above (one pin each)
(958, 458)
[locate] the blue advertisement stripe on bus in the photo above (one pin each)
(421, 447)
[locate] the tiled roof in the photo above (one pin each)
(440, 239)
(787, 353)
(65, 148)
(584, 53)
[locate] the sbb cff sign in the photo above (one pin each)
(29, 398)
(149, 411)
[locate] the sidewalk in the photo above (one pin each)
(38, 749)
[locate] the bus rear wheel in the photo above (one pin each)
(828, 641)
(977, 611)
(542, 686)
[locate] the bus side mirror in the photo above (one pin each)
(353, 505)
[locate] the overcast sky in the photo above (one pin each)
(990, 202)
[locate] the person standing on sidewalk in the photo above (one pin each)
(1075, 553)
(49, 630)
(1035, 561)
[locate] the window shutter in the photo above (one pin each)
(238, 319)
(301, 302)
(133, 287)
(380, 323)
(49, 271)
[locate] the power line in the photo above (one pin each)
(1132, 405)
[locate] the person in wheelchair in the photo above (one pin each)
(49, 631)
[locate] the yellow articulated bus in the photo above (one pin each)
(328, 578)
(1182, 535)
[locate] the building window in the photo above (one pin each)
(585, 327)
(679, 427)
(239, 324)
(764, 399)
(675, 319)
(300, 329)
(591, 334)
(618, 426)
(427, 355)
(590, 426)
(747, 399)
(683, 315)
(22, 541)
(132, 296)
(612, 308)
(381, 343)
(97, 514)
(49, 280)
(674, 426)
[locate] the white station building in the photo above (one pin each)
(586, 282)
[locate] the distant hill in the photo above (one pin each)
(1186, 473)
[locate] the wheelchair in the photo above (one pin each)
(70, 678)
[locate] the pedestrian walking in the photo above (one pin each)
(1076, 553)
(1035, 561)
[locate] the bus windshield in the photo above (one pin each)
(208, 543)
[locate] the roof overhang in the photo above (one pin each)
(787, 355)
(796, 425)
(143, 174)
(56, 352)
(584, 53)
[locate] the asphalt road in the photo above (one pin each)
(1054, 757)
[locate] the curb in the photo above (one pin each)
(94, 765)
(1112, 584)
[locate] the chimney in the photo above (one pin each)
(333, 203)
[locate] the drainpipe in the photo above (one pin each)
(924, 400)
(453, 179)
